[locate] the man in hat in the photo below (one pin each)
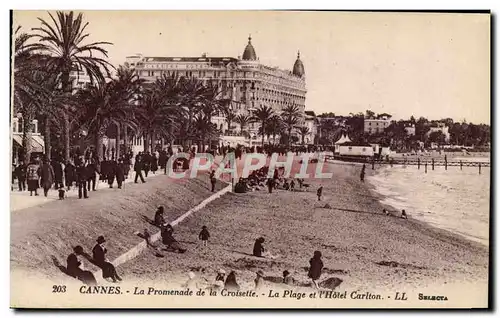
(99, 256)
(81, 179)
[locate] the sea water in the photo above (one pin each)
(455, 200)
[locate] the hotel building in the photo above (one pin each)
(247, 82)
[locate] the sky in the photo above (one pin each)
(421, 64)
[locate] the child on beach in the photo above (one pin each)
(403, 215)
(316, 266)
(292, 185)
(61, 193)
(319, 193)
(204, 235)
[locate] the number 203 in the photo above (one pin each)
(59, 289)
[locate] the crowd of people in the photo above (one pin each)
(84, 172)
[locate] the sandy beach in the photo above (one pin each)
(360, 245)
(43, 236)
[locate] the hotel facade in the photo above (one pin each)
(244, 80)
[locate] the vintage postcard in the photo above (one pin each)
(250, 159)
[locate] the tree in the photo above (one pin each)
(243, 121)
(274, 127)
(103, 105)
(129, 82)
(370, 114)
(437, 137)
(262, 115)
(159, 110)
(62, 44)
(290, 117)
(229, 116)
(303, 131)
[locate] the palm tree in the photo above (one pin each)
(275, 127)
(262, 115)
(229, 116)
(129, 82)
(34, 89)
(290, 116)
(159, 110)
(303, 131)
(104, 105)
(243, 121)
(62, 43)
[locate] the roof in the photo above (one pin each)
(354, 144)
(298, 67)
(224, 59)
(249, 53)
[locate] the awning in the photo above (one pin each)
(37, 143)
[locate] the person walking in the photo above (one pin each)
(112, 168)
(81, 179)
(20, 173)
(91, 174)
(58, 174)
(319, 193)
(138, 165)
(46, 176)
(33, 176)
(213, 180)
(69, 174)
(362, 174)
(120, 173)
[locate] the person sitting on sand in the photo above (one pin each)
(385, 212)
(259, 281)
(319, 193)
(191, 283)
(231, 283)
(204, 235)
(75, 268)
(287, 279)
(258, 248)
(286, 185)
(99, 257)
(403, 215)
(168, 239)
(316, 266)
(219, 279)
(159, 219)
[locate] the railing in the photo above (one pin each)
(432, 162)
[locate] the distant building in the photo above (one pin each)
(442, 128)
(37, 142)
(377, 124)
(351, 149)
(410, 130)
(247, 82)
(311, 122)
